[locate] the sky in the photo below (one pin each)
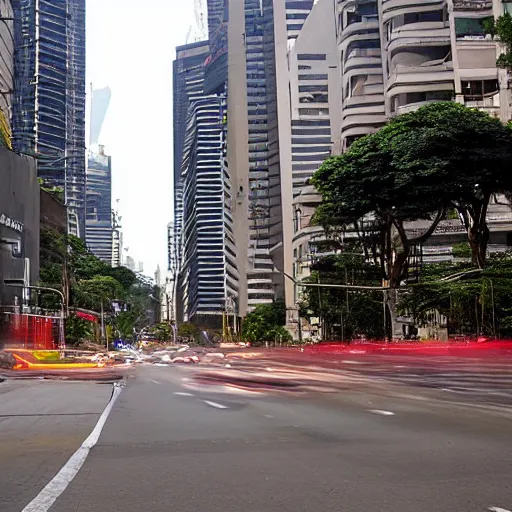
(130, 48)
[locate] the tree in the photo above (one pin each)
(266, 323)
(188, 330)
(162, 332)
(77, 330)
(442, 156)
(87, 282)
(97, 293)
(356, 312)
(466, 157)
(501, 29)
(476, 303)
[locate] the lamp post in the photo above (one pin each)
(14, 283)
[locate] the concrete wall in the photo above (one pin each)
(53, 213)
(19, 202)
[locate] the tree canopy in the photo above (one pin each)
(502, 30)
(442, 155)
(89, 283)
(266, 323)
(344, 314)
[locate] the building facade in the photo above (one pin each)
(201, 254)
(19, 226)
(188, 76)
(98, 225)
(6, 72)
(394, 57)
(49, 102)
(207, 263)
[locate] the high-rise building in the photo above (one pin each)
(207, 264)
(6, 72)
(49, 104)
(392, 59)
(100, 101)
(98, 225)
(188, 74)
(203, 223)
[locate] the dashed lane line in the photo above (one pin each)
(215, 404)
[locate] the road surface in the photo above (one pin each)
(168, 445)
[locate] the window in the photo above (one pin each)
(301, 122)
(314, 98)
(311, 56)
(478, 89)
(296, 15)
(297, 5)
(313, 77)
(470, 27)
(312, 88)
(419, 17)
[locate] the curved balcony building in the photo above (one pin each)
(359, 47)
(417, 53)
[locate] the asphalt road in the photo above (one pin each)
(167, 446)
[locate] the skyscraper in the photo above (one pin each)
(6, 72)
(188, 74)
(49, 105)
(98, 224)
(100, 101)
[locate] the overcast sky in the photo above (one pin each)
(130, 47)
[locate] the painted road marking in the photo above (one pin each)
(155, 381)
(216, 405)
(269, 416)
(47, 497)
(182, 393)
(382, 413)
(348, 361)
(497, 509)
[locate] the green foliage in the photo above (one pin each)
(442, 156)
(479, 303)
(462, 250)
(345, 313)
(188, 330)
(97, 291)
(162, 332)
(124, 324)
(266, 323)
(501, 29)
(77, 330)
(87, 282)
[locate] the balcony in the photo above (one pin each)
(492, 110)
(412, 107)
(472, 5)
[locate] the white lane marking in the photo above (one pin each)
(216, 405)
(382, 413)
(155, 381)
(497, 509)
(269, 416)
(348, 361)
(182, 393)
(47, 497)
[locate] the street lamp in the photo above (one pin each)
(16, 283)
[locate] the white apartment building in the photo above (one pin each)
(393, 57)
